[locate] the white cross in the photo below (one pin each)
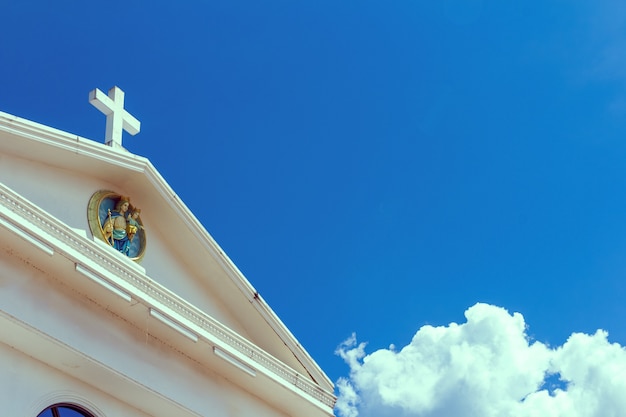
(117, 118)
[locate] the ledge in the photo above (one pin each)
(27, 220)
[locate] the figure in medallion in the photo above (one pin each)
(114, 219)
(115, 227)
(133, 224)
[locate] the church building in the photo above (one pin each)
(106, 312)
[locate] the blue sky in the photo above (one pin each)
(371, 167)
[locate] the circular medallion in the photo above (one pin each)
(113, 219)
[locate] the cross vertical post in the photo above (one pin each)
(118, 119)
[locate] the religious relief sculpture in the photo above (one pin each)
(115, 220)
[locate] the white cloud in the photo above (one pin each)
(486, 367)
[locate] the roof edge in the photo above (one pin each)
(76, 144)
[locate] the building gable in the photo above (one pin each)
(184, 280)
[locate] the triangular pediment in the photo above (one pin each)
(53, 176)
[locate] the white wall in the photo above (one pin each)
(65, 195)
(29, 386)
(59, 312)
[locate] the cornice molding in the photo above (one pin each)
(115, 268)
(128, 389)
(123, 159)
(69, 142)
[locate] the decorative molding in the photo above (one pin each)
(61, 140)
(27, 236)
(126, 275)
(233, 361)
(64, 397)
(70, 142)
(105, 283)
(168, 321)
(130, 386)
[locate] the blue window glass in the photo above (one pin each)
(64, 410)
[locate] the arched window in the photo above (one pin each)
(64, 410)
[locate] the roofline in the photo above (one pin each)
(120, 277)
(83, 146)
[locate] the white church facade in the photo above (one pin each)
(105, 311)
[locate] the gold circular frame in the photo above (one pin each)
(95, 222)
